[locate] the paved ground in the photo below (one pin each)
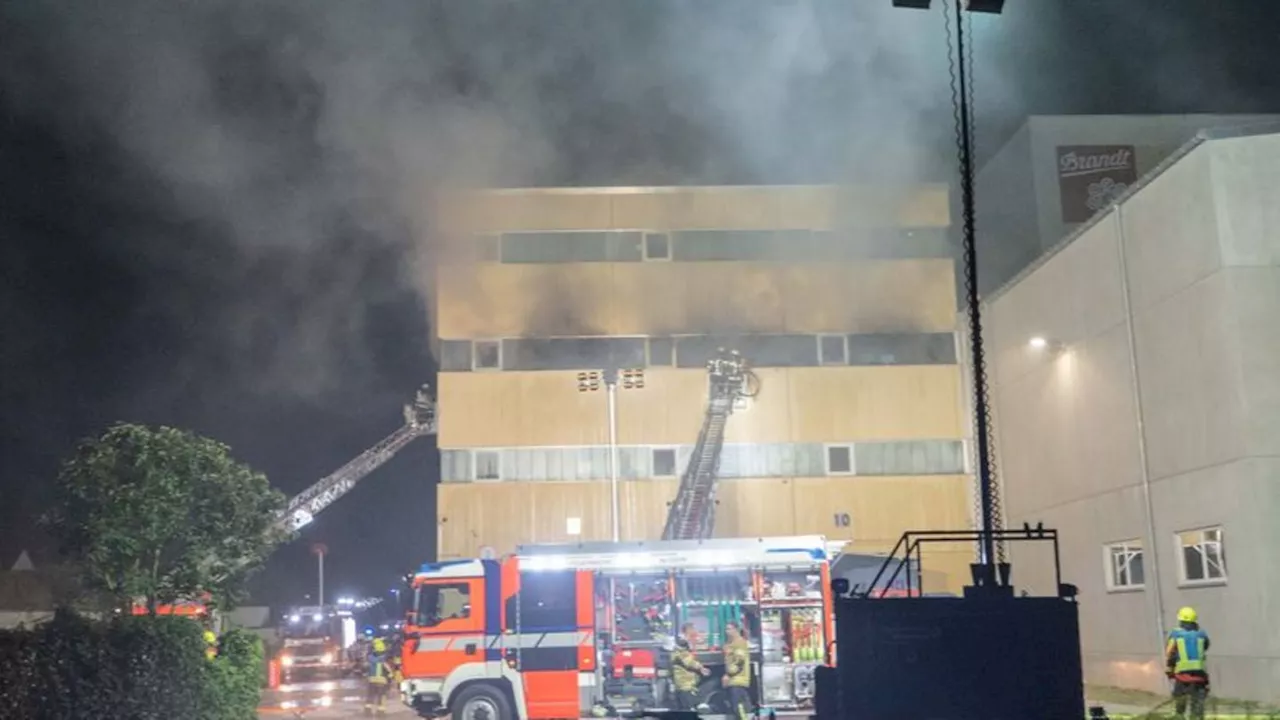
(323, 701)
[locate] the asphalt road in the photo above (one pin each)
(324, 701)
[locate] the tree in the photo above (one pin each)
(164, 515)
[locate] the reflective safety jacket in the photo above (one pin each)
(737, 663)
(378, 672)
(685, 670)
(210, 645)
(1185, 652)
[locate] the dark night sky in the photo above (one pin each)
(270, 302)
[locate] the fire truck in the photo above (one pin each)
(569, 631)
(313, 644)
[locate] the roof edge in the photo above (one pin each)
(1200, 138)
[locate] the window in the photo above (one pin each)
(573, 526)
(436, 603)
(488, 465)
(1124, 565)
(664, 462)
(661, 352)
(1202, 558)
(832, 350)
(486, 355)
(547, 599)
(657, 246)
(839, 459)
(909, 457)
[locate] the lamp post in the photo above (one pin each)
(611, 386)
(320, 550)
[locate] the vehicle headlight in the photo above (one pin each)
(326, 658)
(286, 660)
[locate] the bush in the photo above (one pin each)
(143, 668)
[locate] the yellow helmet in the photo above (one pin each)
(1187, 615)
(379, 646)
(209, 637)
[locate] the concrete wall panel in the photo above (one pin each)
(1171, 231)
(1195, 412)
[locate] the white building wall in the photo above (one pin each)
(1019, 199)
(1201, 243)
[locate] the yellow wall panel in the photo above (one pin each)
(504, 515)
(874, 403)
(830, 404)
(881, 509)
(755, 508)
(503, 409)
(641, 211)
(872, 296)
(482, 300)
(686, 208)
(640, 309)
(644, 505)
(668, 410)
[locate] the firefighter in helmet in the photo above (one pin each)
(379, 679)
(210, 644)
(686, 671)
(737, 671)
(1185, 664)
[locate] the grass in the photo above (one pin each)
(1161, 705)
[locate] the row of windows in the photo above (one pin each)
(693, 351)
(1201, 555)
(714, 245)
(917, 457)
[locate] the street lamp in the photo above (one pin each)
(631, 379)
(320, 550)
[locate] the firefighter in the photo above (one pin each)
(1185, 664)
(210, 645)
(378, 676)
(686, 671)
(737, 671)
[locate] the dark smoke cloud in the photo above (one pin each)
(292, 148)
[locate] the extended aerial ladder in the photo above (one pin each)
(419, 420)
(692, 515)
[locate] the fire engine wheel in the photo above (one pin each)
(482, 702)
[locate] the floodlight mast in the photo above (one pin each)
(989, 556)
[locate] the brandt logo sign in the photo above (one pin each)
(1091, 176)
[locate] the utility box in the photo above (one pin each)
(938, 658)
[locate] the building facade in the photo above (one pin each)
(841, 299)
(1057, 171)
(1136, 384)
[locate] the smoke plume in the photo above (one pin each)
(290, 150)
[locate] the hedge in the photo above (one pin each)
(139, 668)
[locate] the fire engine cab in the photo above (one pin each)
(583, 630)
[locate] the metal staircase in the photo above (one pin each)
(692, 515)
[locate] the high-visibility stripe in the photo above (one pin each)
(523, 641)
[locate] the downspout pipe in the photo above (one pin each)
(1151, 569)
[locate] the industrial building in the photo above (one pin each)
(1136, 387)
(842, 299)
(1057, 171)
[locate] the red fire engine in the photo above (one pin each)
(580, 630)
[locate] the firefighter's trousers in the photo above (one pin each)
(1192, 694)
(740, 701)
(375, 696)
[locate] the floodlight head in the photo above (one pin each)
(994, 7)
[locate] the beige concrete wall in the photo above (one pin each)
(1202, 247)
